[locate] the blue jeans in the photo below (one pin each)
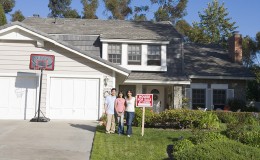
(120, 120)
(129, 120)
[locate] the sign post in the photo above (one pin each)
(144, 100)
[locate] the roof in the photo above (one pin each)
(108, 29)
(66, 45)
(209, 60)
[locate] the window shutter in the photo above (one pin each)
(230, 93)
(209, 100)
(188, 95)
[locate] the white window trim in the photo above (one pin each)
(143, 66)
(219, 86)
(199, 86)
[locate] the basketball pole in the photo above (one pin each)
(40, 95)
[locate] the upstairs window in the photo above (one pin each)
(114, 53)
(134, 54)
(154, 55)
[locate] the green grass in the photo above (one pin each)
(153, 145)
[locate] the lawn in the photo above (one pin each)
(153, 145)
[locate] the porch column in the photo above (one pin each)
(139, 89)
(177, 97)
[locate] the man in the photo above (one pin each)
(109, 109)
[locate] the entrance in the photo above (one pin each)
(158, 97)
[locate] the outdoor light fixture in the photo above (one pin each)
(105, 81)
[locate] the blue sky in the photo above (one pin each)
(244, 13)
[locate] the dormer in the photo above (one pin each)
(136, 55)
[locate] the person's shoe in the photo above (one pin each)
(107, 132)
(112, 132)
(128, 136)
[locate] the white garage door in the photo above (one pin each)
(74, 98)
(18, 97)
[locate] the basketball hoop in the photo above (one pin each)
(41, 62)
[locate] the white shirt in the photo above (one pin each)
(130, 104)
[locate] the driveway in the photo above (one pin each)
(54, 140)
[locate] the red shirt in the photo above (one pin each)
(120, 104)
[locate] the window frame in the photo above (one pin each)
(202, 105)
(115, 53)
(134, 62)
(214, 99)
(151, 52)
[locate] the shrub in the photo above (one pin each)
(247, 134)
(219, 150)
(205, 137)
(238, 117)
(182, 144)
(178, 119)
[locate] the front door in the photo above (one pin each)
(158, 97)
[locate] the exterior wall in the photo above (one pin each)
(15, 57)
(239, 86)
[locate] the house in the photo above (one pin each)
(93, 56)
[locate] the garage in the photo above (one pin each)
(18, 96)
(73, 98)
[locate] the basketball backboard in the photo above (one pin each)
(42, 61)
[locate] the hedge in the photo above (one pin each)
(178, 119)
(219, 149)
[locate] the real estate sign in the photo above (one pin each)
(144, 100)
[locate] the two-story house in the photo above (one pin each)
(93, 56)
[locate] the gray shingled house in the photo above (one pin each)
(92, 56)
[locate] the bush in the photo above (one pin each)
(178, 119)
(238, 117)
(205, 137)
(247, 134)
(219, 150)
(182, 144)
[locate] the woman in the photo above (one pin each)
(120, 109)
(130, 111)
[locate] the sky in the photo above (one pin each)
(244, 12)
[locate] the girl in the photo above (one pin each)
(130, 111)
(120, 109)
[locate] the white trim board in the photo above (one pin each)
(155, 82)
(134, 41)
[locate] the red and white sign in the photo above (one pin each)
(144, 100)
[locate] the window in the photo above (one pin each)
(154, 55)
(219, 98)
(198, 98)
(114, 53)
(134, 54)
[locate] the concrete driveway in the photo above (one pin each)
(54, 140)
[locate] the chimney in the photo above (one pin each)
(235, 47)
(36, 15)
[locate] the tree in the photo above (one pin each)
(139, 13)
(183, 27)
(7, 5)
(71, 14)
(90, 8)
(214, 26)
(119, 9)
(17, 16)
(170, 10)
(58, 7)
(2, 16)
